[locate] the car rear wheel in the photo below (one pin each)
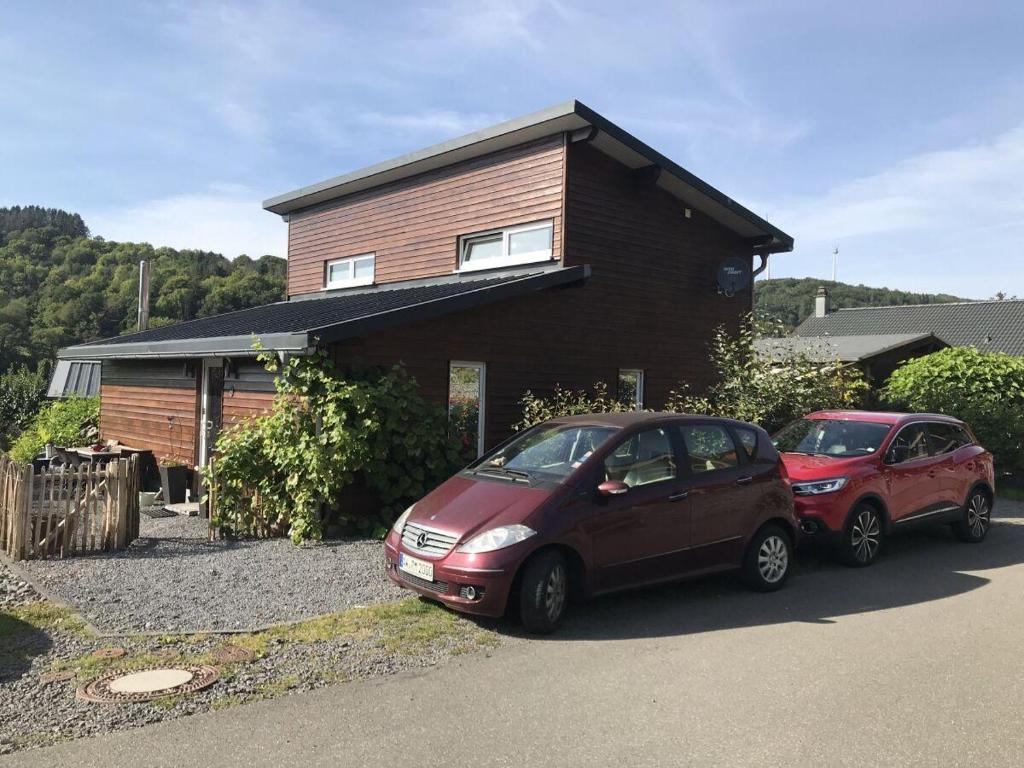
(977, 517)
(768, 559)
(544, 593)
(862, 539)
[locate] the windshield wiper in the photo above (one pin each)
(516, 475)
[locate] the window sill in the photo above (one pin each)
(349, 284)
(500, 263)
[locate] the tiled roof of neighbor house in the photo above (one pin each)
(296, 326)
(572, 117)
(991, 326)
(846, 349)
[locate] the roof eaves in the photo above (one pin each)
(294, 343)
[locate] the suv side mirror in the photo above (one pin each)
(612, 488)
(897, 454)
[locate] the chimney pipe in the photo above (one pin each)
(143, 316)
(821, 307)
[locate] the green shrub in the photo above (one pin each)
(766, 391)
(63, 422)
(323, 435)
(22, 393)
(985, 389)
(567, 402)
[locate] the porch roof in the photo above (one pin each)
(297, 326)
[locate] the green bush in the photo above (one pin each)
(766, 391)
(22, 393)
(324, 435)
(63, 422)
(567, 402)
(985, 389)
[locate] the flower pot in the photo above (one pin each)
(174, 480)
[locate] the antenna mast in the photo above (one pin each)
(835, 263)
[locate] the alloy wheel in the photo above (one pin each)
(555, 592)
(866, 536)
(773, 559)
(978, 515)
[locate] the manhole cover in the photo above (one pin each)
(148, 684)
(59, 676)
(233, 654)
(108, 653)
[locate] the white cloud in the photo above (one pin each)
(225, 219)
(444, 121)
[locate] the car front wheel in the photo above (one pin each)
(544, 593)
(768, 560)
(862, 539)
(977, 516)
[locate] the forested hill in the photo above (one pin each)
(60, 286)
(791, 299)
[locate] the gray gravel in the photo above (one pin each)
(171, 579)
(14, 591)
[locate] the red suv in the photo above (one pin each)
(858, 476)
(591, 504)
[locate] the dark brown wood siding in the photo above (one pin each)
(413, 225)
(651, 303)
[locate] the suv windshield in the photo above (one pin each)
(831, 437)
(552, 452)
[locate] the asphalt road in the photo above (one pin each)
(916, 661)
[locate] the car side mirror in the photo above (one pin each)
(897, 454)
(612, 488)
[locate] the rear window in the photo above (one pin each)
(831, 437)
(946, 438)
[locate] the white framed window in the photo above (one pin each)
(355, 270)
(631, 388)
(522, 244)
(467, 395)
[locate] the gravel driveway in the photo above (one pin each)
(171, 579)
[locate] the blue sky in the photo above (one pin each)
(894, 130)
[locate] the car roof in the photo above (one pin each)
(636, 418)
(882, 417)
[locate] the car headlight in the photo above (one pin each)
(497, 538)
(400, 522)
(817, 487)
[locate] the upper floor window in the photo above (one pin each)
(521, 244)
(355, 270)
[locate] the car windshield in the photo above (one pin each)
(551, 452)
(831, 437)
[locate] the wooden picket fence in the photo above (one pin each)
(62, 511)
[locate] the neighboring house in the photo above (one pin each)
(991, 326)
(877, 356)
(553, 248)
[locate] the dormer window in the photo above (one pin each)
(523, 244)
(350, 272)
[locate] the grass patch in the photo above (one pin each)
(277, 687)
(42, 616)
(226, 702)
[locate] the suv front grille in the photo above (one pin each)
(434, 586)
(426, 540)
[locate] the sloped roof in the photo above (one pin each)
(846, 349)
(991, 326)
(568, 117)
(296, 326)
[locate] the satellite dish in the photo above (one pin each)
(733, 276)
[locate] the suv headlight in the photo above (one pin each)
(497, 538)
(400, 522)
(817, 487)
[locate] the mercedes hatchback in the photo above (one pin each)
(590, 504)
(858, 476)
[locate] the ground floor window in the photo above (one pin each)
(467, 384)
(631, 388)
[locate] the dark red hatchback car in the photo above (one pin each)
(590, 504)
(858, 476)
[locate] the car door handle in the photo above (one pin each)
(679, 496)
(745, 480)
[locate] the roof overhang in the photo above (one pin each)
(304, 342)
(571, 117)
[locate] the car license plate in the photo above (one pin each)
(416, 567)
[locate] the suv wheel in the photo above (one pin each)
(862, 539)
(544, 593)
(977, 516)
(768, 559)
